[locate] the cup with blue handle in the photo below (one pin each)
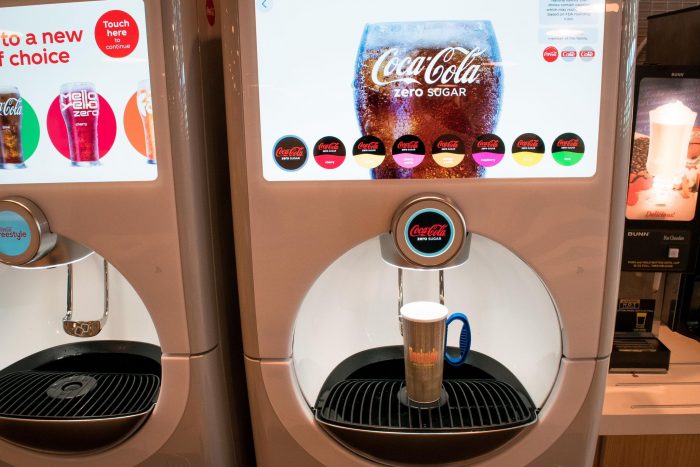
(424, 327)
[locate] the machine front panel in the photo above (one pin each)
(360, 90)
(75, 94)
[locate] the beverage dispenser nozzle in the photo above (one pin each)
(427, 232)
(441, 284)
(85, 328)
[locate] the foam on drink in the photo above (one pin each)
(671, 126)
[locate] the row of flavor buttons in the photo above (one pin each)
(448, 151)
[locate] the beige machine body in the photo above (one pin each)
(309, 265)
(162, 240)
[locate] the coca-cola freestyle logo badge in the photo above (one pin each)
(329, 152)
(448, 151)
(488, 150)
(15, 234)
(82, 103)
(290, 153)
(12, 107)
(444, 73)
(568, 149)
(429, 232)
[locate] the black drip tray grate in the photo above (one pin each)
(76, 396)
(472, 405)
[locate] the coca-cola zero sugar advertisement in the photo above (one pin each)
(452, 75)
(75, 93)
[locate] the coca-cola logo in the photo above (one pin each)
(435, 230)
(451, 65)
(410, 145)
(487, 144)
(12, 107)
(329, 147)
(449, 145)
(550, 54)
(290, 153)
(568, 143)
(295, 151)
(528, 142)
(429, 232)
(368, 147)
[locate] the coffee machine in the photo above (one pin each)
(353, 134)
(112, 227)
(660, 245)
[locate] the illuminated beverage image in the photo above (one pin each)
(11, 155)
(671, 126)
(144, 102)
(428, 79)
(80, 107)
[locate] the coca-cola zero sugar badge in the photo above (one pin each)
(369, 152)
(488, 150)
(428, 230)
(528, 149)
(290, 153)
(408, 151)
(568, 149)
(448, 151)
(329, 152)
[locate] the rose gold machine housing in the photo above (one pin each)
(536, 271)
(165, 248)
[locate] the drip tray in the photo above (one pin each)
(483, 407)
(472, 405)
(68, 412)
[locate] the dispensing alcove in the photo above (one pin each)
(348, 354)
(63, 392)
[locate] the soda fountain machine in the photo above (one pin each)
(110, 198)
(395, 162)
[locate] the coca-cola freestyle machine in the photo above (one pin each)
(456, 152)
(110, 348)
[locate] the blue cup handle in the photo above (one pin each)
(465, 340)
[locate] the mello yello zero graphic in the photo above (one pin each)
(428, 79)
(80, 106)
